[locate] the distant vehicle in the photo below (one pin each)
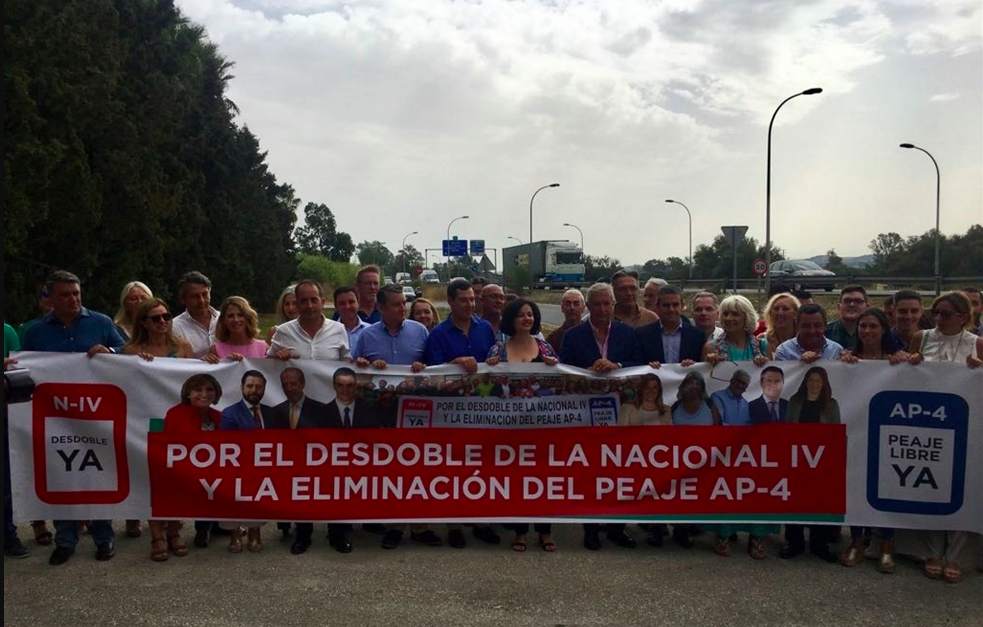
(552, 263)
(429, 276)
(404, 278)
(386, 280)
(409, 292)
(802, 274)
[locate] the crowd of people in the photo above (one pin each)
(372, 328)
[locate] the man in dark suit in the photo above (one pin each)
(669, 341)
(346, 409)
(249, 413)
(601, 344)
(770, 407)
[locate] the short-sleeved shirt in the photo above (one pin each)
(447, 342)
(89, 329)
(790, 350)
(10, 340)
(197, 335)
(734, 410)
(702, 418)
(408, 345)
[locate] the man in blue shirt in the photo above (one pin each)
(730, 401)
(394, 339)
(810, 344)
(463, 338)
(71, 328)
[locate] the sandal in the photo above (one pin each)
(886, 565)
(547, 545)
(42, 536)
(176, 545)
(519, 545)
(235, 541)
(952, 573)
(853, 554)
(755, 549)
(255, 542)
(933, 568)
(722, 546)
(158, 550)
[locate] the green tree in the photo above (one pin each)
(600, 267)
(834, 263)
(375, 252)
(320, 235)
(328, 273)
(408, 258)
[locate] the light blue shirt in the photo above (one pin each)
(356, 331)
(402, 349)
(789, 350)
(734, 410)
(672, 343)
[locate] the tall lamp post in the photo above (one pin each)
(670, 200)
(531, 279)
(516, 239)
(574, 226)
(938, 233)
(403, 250)
(809, 92)
(452, 222)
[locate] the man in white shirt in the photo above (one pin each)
(310, 335)
(197, 323)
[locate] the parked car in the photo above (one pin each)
(802, 274)
(410, 293)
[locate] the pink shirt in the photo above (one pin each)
(256, 350)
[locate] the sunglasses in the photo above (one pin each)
(160, 318)
(945, 314)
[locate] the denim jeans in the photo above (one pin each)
(67, 532)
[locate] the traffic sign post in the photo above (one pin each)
(759, 267)
(418, 270)
(477, 247)
(455, 247)
(734, 235)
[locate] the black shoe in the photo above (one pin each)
(300, 546)
(822, 552)
(486, 534)
(60, 555)
(14, 548)
(427, 538)
(341, 544)
(284, 530)
(682, 538)
(218, 531)
(374, 528)
(105, 551)
(790, 551)
(455, 538)
(622, 539)
(592, 540)
(392, 539)
(654, 538)
(201, 539)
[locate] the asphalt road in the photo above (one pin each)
(480, 585)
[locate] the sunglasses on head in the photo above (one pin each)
(165, 317)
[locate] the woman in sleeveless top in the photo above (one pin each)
(286, 310)
(647, 408)
(130, 298)
(780, 320)
(520, 322)
(237, 333)
(949, 341)
(739, 320)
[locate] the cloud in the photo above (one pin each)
(425, 107)
(944, 97)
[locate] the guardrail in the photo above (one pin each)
(872, 282)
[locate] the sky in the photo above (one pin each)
(404, 115)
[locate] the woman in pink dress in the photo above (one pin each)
(237, 333)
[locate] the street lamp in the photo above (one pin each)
(670, 200)
(574, 226)
(530, 206)
(452, 222)
(516, 239)
(809, 92)
(403, 250)
(938, 234)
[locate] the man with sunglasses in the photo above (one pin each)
(853, 301)
(71, 328)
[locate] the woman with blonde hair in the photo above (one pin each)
(237, 333)
(286, 310)
(739, 320)
(780, 321)
(426, 314)
(130, 297)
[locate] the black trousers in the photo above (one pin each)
(523, 528)
(335, 530)
(819, 535)
(611, 527)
